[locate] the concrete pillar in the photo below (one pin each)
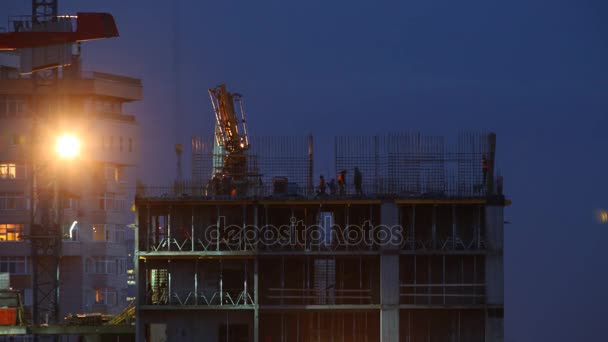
(494, 270)
(389, 298)
(389, 278)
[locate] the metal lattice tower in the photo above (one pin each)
(45, 230)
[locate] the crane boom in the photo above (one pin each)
(231, 131)
(231, 137)
(89, 26)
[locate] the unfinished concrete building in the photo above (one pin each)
(416, 254)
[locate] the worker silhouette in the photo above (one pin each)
(322, 185)
(358, 181)
(332, 186)
(342, 182)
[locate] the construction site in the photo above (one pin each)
(399, 239)
(407, 245)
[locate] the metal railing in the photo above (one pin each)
(442, 294)
(190, 296)
(329, 296)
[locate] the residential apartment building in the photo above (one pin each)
(95, 189)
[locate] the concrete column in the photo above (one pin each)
(494, 270)
(389, 278)
(389, 298)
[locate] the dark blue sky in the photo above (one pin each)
(533, 71)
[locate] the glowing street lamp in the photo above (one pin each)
(67, 146)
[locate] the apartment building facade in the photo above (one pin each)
(95, 189)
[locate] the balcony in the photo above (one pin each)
(90, 83)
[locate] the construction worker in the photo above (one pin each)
(342, 182)
(332, 186)
(322, 185)
(358, 180)
(484, 168)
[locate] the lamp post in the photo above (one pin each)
(46, 228)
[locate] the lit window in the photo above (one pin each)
(105, 296)
(12, 171)
(99, 232)
(10, 231)
(8, 171)
(114, 173)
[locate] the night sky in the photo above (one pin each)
(535, 72)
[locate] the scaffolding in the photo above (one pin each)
(413, 164)
(395, 165)
(269, 160)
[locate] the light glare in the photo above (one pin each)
(601, 216)
(67, 146)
